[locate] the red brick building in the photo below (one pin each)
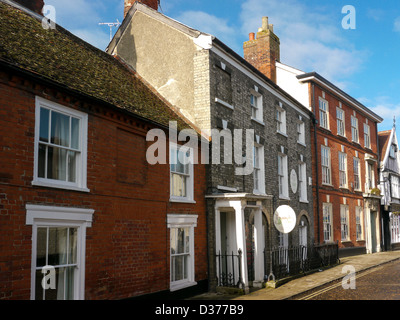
(80, 206)
(345, 162)
(344, 153)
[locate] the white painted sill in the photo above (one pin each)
(55, 185)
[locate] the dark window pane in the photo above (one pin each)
(44, 125)
(42, 161)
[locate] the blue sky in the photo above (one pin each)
(363, 61)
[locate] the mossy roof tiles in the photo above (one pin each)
(60, 57)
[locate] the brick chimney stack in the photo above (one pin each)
(33, 5)
(150, 3)
(263, 51)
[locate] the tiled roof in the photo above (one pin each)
(383, 140)
(62, 58)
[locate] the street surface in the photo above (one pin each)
(379, 283)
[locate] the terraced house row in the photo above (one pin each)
(84, 209)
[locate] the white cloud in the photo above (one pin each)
(211, 24)
(396, 24)
(82, 18)
(310, 38)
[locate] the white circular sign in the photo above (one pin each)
(284, 219)
(293, 180)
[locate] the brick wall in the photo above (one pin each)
(127, 247)
(336, 143)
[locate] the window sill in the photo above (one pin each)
(179, 286)
(302, 143)
(282, 197)
(225, 104)
(181, 200)
(346, 241)
(327, 184)
(58, 186)
(281, 133)
(258, 121)
(303, 201)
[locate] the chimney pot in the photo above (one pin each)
(264, 25)
(150, 3)
(251, 36)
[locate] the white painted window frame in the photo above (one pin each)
(323, 113)
(283, 176)
(53, 216)
(81, 169)
(357, 174)
(327, 228)
(344, 223)
(303, 182)
(326, 166)
(340, 121)
(183, 221)
(190, 177)
(281, 119)
(354, 129)
(367, 136)
(259, 172)
(342, 170)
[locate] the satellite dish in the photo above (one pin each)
(284, 219)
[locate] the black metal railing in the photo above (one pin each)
(229, 269)
(282, 262)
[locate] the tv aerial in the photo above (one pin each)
(111, 25)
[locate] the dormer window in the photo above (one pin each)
(392, 152)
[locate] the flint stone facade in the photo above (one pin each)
(218, 97)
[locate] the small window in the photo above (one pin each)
(342, 170)
(327, 221)
(340, 122)
(367, 136)
(344, 222)
(303, 181)
(323, 113)
(58, 247)
(395, 186)
(301, 136)
(356, 169)
(60, 146)
(354, 129)
(258, 171)
(181, 169)
(182, 261)
(359, 223)
(283, 176)
(392, 151)
(281, 119)
(370, 177)
(326, 164)
(256, 106)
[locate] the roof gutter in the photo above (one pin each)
(315, 77)
(48, 82)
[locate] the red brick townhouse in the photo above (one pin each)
(83, 214)
(344, 150)
(345, 162)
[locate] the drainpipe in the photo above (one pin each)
(315, 122)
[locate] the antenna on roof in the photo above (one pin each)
(111, 25)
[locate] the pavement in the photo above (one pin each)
(312, 281)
